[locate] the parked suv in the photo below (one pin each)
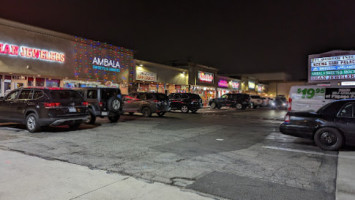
(255, 101)
(103, 102)
(185, 102)
(239, 101)
(146, 103)
(38, 107)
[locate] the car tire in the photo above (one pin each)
(329, 139)
(74, 126)
(184, 109)
(239, 106)
(92, 117)
(213, 105)
(146, 112)
(114, 104)
(160, 114)
(32, 124)
(114, 118)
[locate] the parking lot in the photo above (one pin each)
(224, 153)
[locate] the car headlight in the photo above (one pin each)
(284, 104)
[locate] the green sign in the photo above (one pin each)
(327, 73)
(310, 92)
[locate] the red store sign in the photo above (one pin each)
(205, 77)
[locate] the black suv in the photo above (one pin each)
(185, 102)
(103, 102)
(38, 107)
(239, 101)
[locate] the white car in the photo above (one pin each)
(255, 101)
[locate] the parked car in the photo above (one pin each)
(39, 107)
(146, 103)
(332, 126)
(265, 101)
(103, 102)
(239, 101)
(255, 101)
(185, 102)
(280, 102)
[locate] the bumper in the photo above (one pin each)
(297, 131)
(59, 121)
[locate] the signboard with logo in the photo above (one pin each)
(251, 84)
(146, 76)
(222, 83)
(235, 84)
(333, 66)
(339, 93)
(205, 77)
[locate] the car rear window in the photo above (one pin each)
(65, 94)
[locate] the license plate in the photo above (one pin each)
(104, 113)
(72, 109)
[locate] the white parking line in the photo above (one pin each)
(308, 152)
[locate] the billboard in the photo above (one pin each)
(334, 66)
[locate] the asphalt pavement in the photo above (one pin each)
(222, 153)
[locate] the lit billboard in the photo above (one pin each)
(334, 66)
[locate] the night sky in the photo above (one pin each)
(233, 36)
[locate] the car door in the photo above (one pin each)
(24, 100)
(9, 106)
(345, 121)
(223, 100)
(176, 102)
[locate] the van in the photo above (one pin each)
(312, 97)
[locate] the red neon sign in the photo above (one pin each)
(34, 53)
(205, 77)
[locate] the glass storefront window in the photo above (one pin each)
(7, 85)
(40, 82)
(52, 83)
(30, 82)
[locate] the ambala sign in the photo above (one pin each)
(30, 52)
(205, 77)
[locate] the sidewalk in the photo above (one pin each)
(32, 178)
(345, 189)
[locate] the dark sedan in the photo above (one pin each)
(331, 127)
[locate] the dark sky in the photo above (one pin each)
(234, 36)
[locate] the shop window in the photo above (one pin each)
(40, 82)
(30, 81)
(92, 94)
(7, 84)
(26, 94)
(52, 83)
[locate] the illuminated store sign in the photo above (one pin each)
(251, 84)
(106, 64)
(235, 84)
(222, 83)
(29, 52)
(205, 77)
(332, 68)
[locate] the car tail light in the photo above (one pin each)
(101, 104)
(85, 103)
(51, 105)
(287, 118)
(156, 101)
(289, 106)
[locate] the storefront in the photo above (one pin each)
(223, 86)
(155, 77)
(234, 84)
(31, 56)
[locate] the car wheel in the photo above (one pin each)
(213, 105)
(239, 106)
(92, 117)
(114, 118)
(74, 126)
(329, 139)
(114, 104)
(146, 112)
(32, 124)
(131, 113)
(160, 114)
(184, 109)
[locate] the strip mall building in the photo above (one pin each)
(31, 56)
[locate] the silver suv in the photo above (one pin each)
(146, 103)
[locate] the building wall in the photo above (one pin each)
(283, 88)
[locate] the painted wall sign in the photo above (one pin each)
(330, 68)
(235, 84)
(106, 64)
(339, 93)
(205, 77)
(30, 52)
(146, 76)
(222, 83)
